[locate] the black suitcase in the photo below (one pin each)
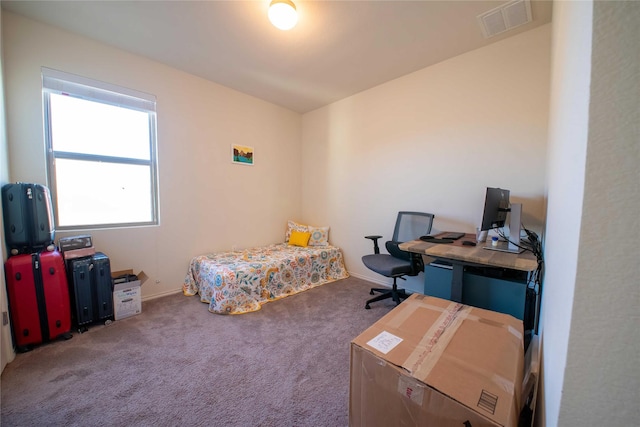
(91, 289)
(28, 217)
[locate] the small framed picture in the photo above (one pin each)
(242, 154)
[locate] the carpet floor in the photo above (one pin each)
(178, 364)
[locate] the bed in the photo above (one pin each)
(237, 282)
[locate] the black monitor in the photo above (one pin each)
(496, 206)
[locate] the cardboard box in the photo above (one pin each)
(75, 242)
(78, 253)
(127, 296)
(530, 382)
(433, 362)
(76, 246)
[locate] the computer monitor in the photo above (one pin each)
(496, 207)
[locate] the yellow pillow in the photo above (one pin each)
(299, 238)
(292, 225)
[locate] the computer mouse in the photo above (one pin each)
(468, 243)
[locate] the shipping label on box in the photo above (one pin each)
(433, 362)
(127, 300)
(127, 296)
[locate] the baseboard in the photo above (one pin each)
(162, 294)
(373, 280)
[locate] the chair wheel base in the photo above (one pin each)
(397, 295)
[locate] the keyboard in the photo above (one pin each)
(452, 235)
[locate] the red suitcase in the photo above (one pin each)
(38, 298)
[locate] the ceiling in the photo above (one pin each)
(337, 49)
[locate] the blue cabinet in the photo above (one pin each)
(499, 290)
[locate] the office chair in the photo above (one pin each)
(398, 263)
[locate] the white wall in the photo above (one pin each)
(206, 202)
(567, 153)
(591, 296)
(6, 345)
(431, 141)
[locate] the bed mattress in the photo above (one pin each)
(237, 282)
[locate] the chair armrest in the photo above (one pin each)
(374, 239)
(396, 252)
(416, 259)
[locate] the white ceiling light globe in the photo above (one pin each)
(282, 14)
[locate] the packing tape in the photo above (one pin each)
(515, 332)
(428, 351)
(400, 316)
(434, 342)
(503, 383)
(408, 309)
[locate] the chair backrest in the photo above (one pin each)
(411, 225)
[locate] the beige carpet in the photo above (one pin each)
(178, 364)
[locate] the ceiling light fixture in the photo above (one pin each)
(282, 14)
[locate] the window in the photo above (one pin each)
(101, 152)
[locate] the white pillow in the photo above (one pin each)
(319, 236)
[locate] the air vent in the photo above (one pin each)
(506, 17)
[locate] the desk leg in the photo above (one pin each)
(456, 282)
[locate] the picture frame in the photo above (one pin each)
(242, 155)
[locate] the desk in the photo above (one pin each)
(460, 256)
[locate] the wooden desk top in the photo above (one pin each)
(524, 261)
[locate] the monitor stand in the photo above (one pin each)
(512, 246)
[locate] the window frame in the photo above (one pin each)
(58, 82)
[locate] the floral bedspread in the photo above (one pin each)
(241, 281)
